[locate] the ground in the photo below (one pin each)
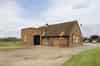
(44, 56)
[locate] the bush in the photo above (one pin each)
(98, 40)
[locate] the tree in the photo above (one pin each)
(10, 39)
(98, 40)
(94, 37)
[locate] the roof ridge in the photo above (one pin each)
(74, 21)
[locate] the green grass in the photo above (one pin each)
(5, 45)
(86, 58)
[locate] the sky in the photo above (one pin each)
(18, 14)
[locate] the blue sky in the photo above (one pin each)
(33, 8)
(17, 14)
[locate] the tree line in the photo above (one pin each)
(92, 38)
(10, 39)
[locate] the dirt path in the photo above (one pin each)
(38, 56)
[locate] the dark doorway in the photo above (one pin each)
(36, 39)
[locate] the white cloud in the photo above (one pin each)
(86, 11)
(7, 16)
(88, 30)
(11, 21)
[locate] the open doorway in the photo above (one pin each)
(36, 39)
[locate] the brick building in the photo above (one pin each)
(67, 34)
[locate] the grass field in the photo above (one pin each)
(10, 44)
(86, 58)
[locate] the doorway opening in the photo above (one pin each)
(36, 39)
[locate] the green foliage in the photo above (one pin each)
(98, 40)
(94, 37)
(87, 58)
(9, 43)
(10, 39)
(85, 38)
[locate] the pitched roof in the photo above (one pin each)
(57, 29)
